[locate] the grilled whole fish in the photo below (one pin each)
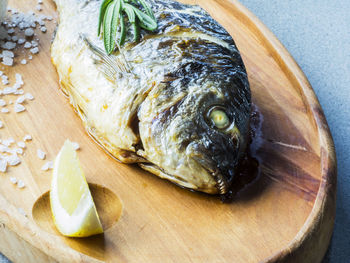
(177, 102)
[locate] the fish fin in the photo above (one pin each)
(111, 68)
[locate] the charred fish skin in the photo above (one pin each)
(152, 101)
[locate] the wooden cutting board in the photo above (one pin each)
(286, 215)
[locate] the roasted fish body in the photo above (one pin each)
(177, 102)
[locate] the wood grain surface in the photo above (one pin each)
(286, 215)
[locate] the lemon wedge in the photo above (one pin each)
(72, 206)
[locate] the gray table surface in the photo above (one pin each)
(317, 34)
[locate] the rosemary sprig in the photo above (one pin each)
(112, 14)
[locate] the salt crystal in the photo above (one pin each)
(27, 45)
(76, 146)
(19, 150)
(19, 108)
(30, 57)
(9, 45)
(27, 138)
(29, 32)
(14, 38)
(5, 81)
(7, 61)
(34, 43)
(40, 1)
(43, 29)
(49, 18)
(34, 50)
(20, 99)
(3, 166)
(38, 7)
(13, 180)
(23, 61)
(47, 166)
(7, 53)
(4, 149)
(4, 110)
(13, 160)
(1, 73)
(21, 144)
(41, 154)
(2, 103)
(1, 125)
(21, 41)
(19, 79)
(29, 96)
(8, 141)
(20, 184)
(11, 31)
(19, 92)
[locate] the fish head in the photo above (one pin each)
(199, 129)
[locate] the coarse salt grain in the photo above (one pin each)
(21, 144)
(23, 61)
(41, 154)
(7, 61)
(13, 180)
(3, 166)
(2, 103)
(29, 96)
(19, 108)
(34, 50)
(27, 45)
(48, 165)
(5, 110)
(1, 124)
(21, 41)
(76, 146)
(7, 53)
(9, 45)
(8, 142)
(29, 32)
(20, 99)
(20, 184)
(4, 148)
(19, 150)
(13, 160)
(43, 29)
(27, 138)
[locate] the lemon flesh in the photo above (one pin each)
(72, 206)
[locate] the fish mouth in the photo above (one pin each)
(221, 182)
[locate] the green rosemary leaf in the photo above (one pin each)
(136, 28)
(122, 30)
(129, 12)
(147, 8)
(146, 21)
(110, 26)
(112, 15)
(103, 8)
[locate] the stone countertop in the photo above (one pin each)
(317, 34)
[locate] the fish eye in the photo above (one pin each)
(218, 117)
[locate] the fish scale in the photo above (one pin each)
(149, 102)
